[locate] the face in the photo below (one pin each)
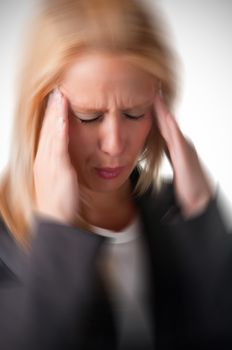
(110, 117)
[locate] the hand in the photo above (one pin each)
(55, 179)
(192, 186)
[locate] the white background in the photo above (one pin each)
(202, 30)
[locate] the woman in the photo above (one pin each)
(96, 251)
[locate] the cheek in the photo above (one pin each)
(146, 128)
(79, 143)
(141, 133)
(74, 139)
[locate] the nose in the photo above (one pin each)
(112, 139)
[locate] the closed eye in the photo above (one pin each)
(98, 117)
(88, 120)
(134, 116)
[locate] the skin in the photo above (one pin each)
(109, 84)
(193, 187)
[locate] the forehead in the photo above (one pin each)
(100, 76)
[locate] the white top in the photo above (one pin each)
(123, 265)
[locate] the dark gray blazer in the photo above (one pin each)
(54, 298)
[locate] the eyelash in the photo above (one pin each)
(98, 117)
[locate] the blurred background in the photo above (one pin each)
(202, 36)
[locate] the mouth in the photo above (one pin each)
(109, 173)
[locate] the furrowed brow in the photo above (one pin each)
(137, 107)
(88, 110)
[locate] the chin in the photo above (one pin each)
(105, 186)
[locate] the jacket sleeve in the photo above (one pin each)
(196, 275)
(40, 309)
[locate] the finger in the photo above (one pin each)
(176, 146)
(182, 146)
(161, 113)
(54, 134)
(48, 124)
(168, 125)
(53, 109)
(162, 117)
(62, 139)
(50, 113)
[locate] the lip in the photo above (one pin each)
(109, 173)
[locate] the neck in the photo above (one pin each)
(112, 210)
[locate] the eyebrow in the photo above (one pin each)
(88, 110)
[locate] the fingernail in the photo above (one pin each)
(57, 96)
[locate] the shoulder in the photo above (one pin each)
(160, 201)
(6, 240)
(12, 258)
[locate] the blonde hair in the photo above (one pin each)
(61, 30)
